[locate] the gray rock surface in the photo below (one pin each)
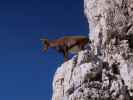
(104, 71)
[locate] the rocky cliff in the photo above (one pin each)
(104, 71)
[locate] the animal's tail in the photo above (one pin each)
(45, 43)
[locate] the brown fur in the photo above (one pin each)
(64, 44)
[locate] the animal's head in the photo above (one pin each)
(45, 44)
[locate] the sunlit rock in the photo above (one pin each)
(104, 71)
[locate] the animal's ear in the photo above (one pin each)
(44, 40)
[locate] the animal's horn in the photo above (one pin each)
(41, 39)
(44, 40)
(45, 43)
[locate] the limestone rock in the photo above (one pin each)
(104, 71)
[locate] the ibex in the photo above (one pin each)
(66, 44)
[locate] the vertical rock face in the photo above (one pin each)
(104, 71)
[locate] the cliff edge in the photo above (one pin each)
(104, 71)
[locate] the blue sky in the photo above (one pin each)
(26, 72)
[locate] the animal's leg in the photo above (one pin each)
(81, 47)
(66, 56)
(65, 52)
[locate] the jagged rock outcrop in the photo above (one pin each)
(104, 71)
